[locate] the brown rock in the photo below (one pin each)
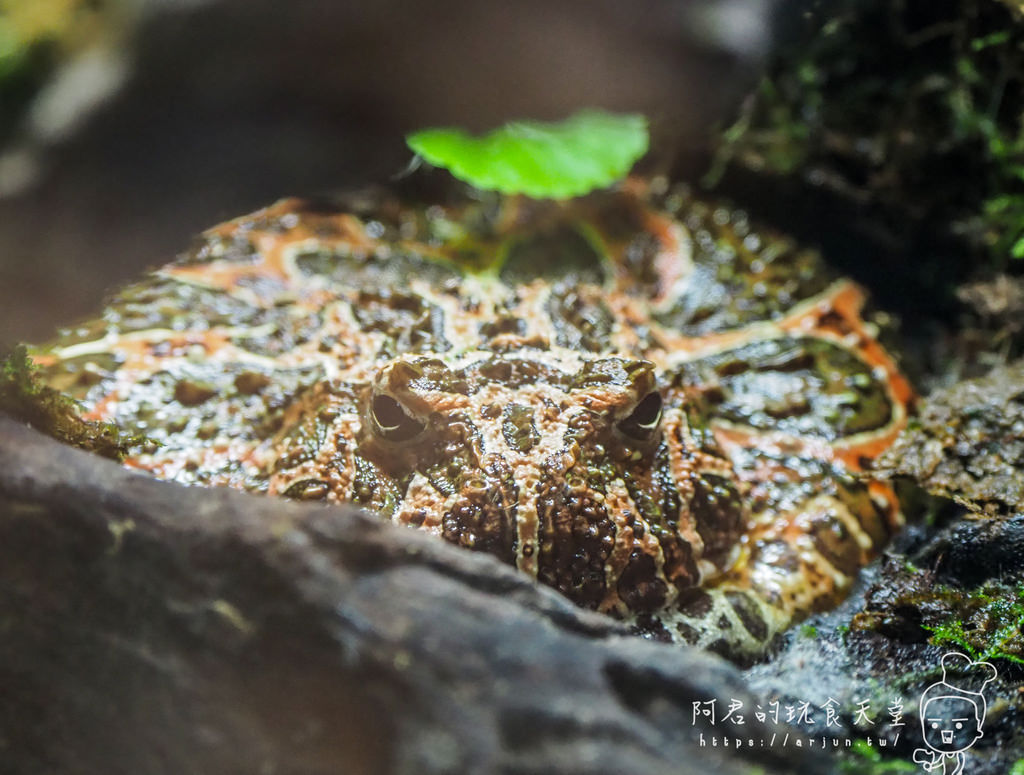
(968, 443)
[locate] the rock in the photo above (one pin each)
(152, 628)
(968, 443)
(883, 647)
(1000, 300)
(957, 588)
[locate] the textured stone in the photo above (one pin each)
(968, 443)
(152, 628)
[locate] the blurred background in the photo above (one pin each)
(127, 126)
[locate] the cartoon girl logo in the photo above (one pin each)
(951, 716)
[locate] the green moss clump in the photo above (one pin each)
(912, 111)
(24, 396)
(986, 624)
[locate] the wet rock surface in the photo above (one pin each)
(151, 628)
(874, 657)
(967, 443)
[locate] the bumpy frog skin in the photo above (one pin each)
(632, 397)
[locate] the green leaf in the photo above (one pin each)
(1017, 251)
(589, 150)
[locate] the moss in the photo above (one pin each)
(866, 759)
(25, 397)
(925, 123)
(986, 623)
(983, 621)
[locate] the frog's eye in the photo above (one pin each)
(392, 422)
(642, 422)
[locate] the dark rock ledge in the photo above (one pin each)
(148, 628)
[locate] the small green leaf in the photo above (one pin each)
(589, 150)
(995, 39)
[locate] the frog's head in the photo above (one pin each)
(526, 423)
(583, 471)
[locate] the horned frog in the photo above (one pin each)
(632, 396)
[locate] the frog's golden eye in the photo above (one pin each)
(392, 422)
(642, 423)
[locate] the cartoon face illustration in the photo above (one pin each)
(951, 723)
(952, 714)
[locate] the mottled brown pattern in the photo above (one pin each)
(633, 397)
